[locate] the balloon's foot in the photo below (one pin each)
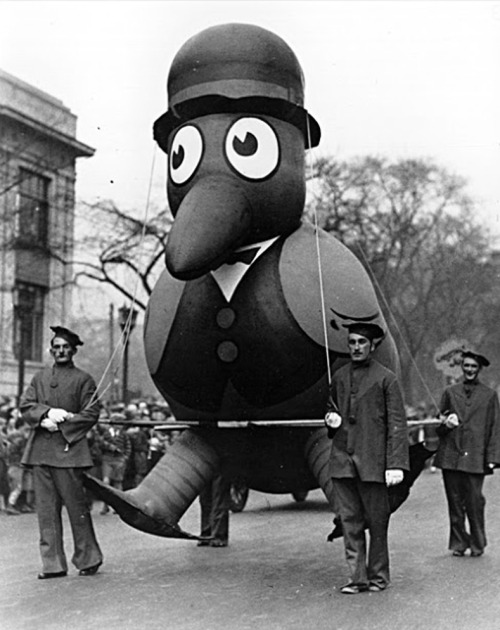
(132, 513)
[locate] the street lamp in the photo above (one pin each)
(22, 307)
(126, 319)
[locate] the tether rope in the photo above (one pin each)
(309, 163)
(125, 334)
(400, 333)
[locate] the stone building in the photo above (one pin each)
(38, 152)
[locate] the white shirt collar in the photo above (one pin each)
(228, 277)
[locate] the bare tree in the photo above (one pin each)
(412, 225)
(119, 249)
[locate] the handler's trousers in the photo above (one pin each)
(464, 493)
(364, 504)
(215, 501)
(55, 487)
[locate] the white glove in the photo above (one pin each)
(451, 421)
(333, 420)
(49, 425)
(57, 415)
(393, 476)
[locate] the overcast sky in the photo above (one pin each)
(396, 79)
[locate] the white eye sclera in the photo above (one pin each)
(252, 148)
(185, 154)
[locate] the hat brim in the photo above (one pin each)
(371, 331)
(257, 105)
(482, 360)
(72, 338)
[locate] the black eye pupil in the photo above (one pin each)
(246, 147)
(178, 157)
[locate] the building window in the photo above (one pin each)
(29, 306)
(33, 209)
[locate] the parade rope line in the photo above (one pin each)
(310, 161)
(124, 336)
(381, 293)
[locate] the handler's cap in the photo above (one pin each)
(482, 360)
(234, 68)
(72, 338)
(370, 331)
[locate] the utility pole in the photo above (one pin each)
(111, 323)
(126, 319)
(21, 312)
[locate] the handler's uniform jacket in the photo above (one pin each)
(463, 454)
(372, 438)
(58, 459)
(373, 435)
(475, 443)
(63, 387)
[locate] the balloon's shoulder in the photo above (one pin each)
(325, 286)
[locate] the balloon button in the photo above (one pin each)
(227, 351)
(225, 318)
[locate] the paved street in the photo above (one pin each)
(278, 573)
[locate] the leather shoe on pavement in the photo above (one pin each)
(48, 576)
(353, 589)
(90, 571)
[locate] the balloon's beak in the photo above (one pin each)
(212, 220)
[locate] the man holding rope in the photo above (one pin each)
(61, 406)
(367, 424)
(469, 449)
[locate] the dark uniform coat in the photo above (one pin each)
(463, 454)
(58, 459)
(372, 438)
(373, 435)
(475, 443)
(63, 387)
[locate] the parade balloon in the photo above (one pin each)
(251, 312)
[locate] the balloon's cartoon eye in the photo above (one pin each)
(252, 148)
(185, 154)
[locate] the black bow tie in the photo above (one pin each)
(246, 256)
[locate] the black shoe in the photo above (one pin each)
(376, 588)
(476, 554)
(203, 543)
(48, 576)
(458, 553)
(90, 571)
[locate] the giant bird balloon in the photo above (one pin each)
(250, 314)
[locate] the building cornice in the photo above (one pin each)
(78, 148)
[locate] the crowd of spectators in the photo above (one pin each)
(128, 441)
(126, 444)
(16, 482)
